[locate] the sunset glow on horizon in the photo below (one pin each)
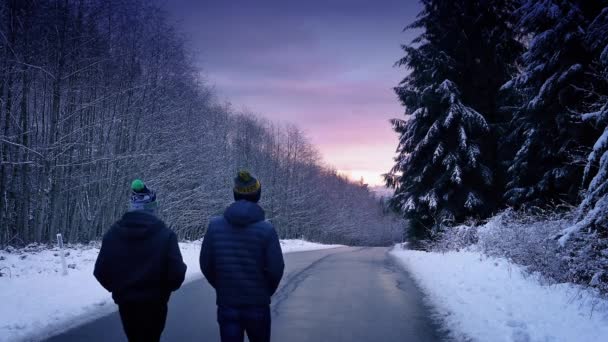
(369, 177)
(303, 63)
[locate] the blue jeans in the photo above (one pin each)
(234, 322)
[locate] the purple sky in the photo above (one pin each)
(324, 65)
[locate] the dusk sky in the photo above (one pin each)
(324, 65)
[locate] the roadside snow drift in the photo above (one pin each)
(37, 299)
(490, 299)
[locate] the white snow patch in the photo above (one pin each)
(37, 300)
(489, 299)
(290, 246)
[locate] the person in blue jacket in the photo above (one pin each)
(141, 264)
(241, 258)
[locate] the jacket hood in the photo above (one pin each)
(138, 225)
(244, 213)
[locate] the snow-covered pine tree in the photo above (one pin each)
(443, 171)
(587, 251)
(595, 176)
(439, 176)
(586, 242)
(593, 211)
(547, 138)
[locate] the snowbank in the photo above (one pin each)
(37, 299)
(490, 299)
(290, 246)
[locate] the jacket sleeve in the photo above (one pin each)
(206, 258)
(176, 271)
(274, 261)
(102, 270)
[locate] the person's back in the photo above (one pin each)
(140, 263)
(241, 258)
(133, 262)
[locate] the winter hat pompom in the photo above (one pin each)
(244, 176)
(138, 185)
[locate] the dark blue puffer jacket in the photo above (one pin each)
(241, 256)
(139, 260)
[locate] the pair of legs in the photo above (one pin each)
(143, 322)
(236, 321)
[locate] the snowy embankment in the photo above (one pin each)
(37, 300)
(489, 299)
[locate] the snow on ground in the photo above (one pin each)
(289, 246)
(37, 300)
(489, 299)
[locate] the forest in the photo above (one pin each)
(94, 94)
(507, 114)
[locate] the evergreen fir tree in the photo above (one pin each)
(547, 137)
(586, 242)
(595, 176)
(443, 170)
(593, 210)
(594, 207)
(586, 252)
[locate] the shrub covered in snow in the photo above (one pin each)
(527, 240)
(532, 240)
(455, 238)
(586, 257)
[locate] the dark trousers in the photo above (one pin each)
(143, 322)
(235, 322)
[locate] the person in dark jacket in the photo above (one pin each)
(241, 258)
(141, 264)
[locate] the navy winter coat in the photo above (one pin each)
(241, 256)
(139, 260)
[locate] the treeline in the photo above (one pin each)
(506, 106)
(96, 93)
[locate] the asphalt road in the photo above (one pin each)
(343, 294)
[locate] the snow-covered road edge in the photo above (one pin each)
(37, 301)
(489, 299)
